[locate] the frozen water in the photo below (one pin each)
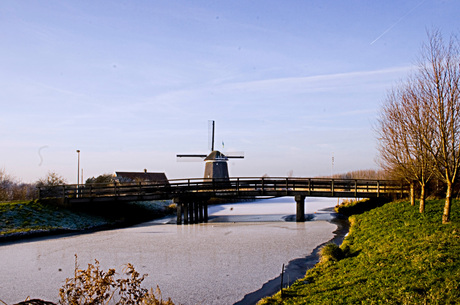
(214, 263)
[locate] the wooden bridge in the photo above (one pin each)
(192, 195)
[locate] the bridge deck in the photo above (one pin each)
(233, 188)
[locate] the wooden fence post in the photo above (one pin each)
(356, 188)
(287, 186)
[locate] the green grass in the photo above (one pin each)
(353, 207)
(394, 255)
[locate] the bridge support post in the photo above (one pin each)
(196, 212)
(300, 212)
(205, 211)
(190, 212)
(186, 208)
(179, 211)
(200, 212)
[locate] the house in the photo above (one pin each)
(156, 178)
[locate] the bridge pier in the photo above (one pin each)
(300, 211)
(191, 211)
(205, 211)
(179, 209)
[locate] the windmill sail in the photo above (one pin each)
(216, 162)
(211, 130)
(191, 156)
(235, 155)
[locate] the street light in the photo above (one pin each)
(78, 168)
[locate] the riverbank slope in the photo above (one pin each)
(393, 254)
(219, 262)
(26, 219)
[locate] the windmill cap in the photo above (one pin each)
(216, 155)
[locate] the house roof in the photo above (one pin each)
(143, 176)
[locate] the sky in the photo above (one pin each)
(295, 85)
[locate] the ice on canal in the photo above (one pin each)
(242, 247)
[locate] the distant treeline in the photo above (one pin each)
(12, 189)
(363, 174)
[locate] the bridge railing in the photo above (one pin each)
(235, 187)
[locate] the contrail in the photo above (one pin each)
(399, 20)
(40, 155)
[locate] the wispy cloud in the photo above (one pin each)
(318, 82)
(291, 85)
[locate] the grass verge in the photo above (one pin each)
(20, 219)
(392, 254)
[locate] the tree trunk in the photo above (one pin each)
(422, 198)
(447, 205)
(412, 193)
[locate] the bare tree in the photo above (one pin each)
(11, 189)
(440, 81)
(419, 124)
(51, 179)
(6, 186)
(362, 174)
(402, 129)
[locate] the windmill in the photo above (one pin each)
(216, 162)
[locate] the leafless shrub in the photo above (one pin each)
(95, 286)
(51, 179)
(11, 189)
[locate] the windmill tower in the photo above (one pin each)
(216, 167)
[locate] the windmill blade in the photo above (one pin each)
(211, 130)
(235, 155)
(190, 158)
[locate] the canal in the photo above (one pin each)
(241, 248)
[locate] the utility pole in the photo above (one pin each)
(78, 173)
(332, 166)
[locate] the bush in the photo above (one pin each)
(354, 207)
(94, 286)
(104, 178)
(51, 179)
(331, 252)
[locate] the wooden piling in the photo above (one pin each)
(179, 212)
(205, 211)
(195, 210)
(190, 213)
(200, 212)
(300, 202)
(186, 209)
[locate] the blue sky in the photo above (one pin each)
(133, 83)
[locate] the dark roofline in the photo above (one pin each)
(143, 176)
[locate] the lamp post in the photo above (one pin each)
(332, 166)
(78, 168)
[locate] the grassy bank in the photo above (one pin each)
(393, 254)
(20, 219)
